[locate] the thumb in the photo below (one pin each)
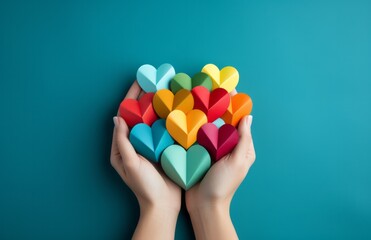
(241, 152)
(127, 151)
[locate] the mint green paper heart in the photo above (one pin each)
(183, 81)
(185, 168)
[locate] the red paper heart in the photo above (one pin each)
(213, 104)
(218, 142)
(138, 111)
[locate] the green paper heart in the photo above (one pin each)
(185, 168)
(183, 81)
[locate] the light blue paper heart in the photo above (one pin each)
(219, 122)
(151, 79)
(150, 142)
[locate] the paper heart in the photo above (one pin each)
(165, 101)
(185, 168)
(219, 122)
(226, 78)
(218, 142)
(213, 104)
(138, 111)
(183, 81)
(183, 127)
(151, 79)
(240, 105)
(150, 141)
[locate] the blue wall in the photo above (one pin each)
(65, 66)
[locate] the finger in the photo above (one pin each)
(141, 94)
(127, 151)
(115, 153)
(241, 155)
(134, 91)
(234, 92)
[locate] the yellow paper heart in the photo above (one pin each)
(226, 78)
(183, 127)
(164, 101)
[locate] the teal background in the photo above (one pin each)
(66, 65)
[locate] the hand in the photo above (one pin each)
(159, 198)
(208, 202)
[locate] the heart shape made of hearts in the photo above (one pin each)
(185, 168)
(240, 106)
(218, 142)
(138, 111)
(183, 127)
(226, 78)
(165, 101)
(150, 142)
(183, 81)
(151, 79)
(213, 104)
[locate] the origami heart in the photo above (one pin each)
(240, 105)
(213, 104)
(150, 141)
(226, 78)
(219, 122)
(138, 111)
(183, 81)
(151, 79)
(185, 168)
(218, 142)
(183, 127)
(165, 101)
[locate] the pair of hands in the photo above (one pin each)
(159, 198)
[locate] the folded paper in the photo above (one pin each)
(240, 105)
(219, 122)
(150, 142)
(183, 81)
(218, 141)
(165, 101)
(226, 78)
(138, 111)
(183, 127)
(151, 79)
(213, 104)
(185, 168)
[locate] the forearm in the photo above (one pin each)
(155, 223)
(213, 222)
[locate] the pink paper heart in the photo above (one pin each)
(218, 142)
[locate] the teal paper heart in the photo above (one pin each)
(185, 168)
(150, 141)
(151, 79)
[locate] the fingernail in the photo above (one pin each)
(249, 120)
(115, 121)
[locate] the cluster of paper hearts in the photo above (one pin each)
(185, 122)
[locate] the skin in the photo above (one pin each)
(159, 198)
(208, 202)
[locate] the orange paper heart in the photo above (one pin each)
(240, 105)
(165, 101)
(183, 127)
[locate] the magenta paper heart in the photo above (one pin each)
(218, 141)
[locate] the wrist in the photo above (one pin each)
(199, 204)
(209, 209)
(158, 221)
(212, 221)
(158, 208)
